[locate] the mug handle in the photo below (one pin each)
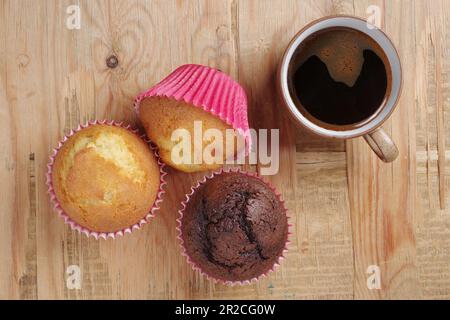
(382, 145)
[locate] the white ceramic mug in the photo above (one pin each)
(378, 140)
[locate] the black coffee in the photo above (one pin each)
(341, 78)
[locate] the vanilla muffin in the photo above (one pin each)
(161, 116)
(105, 178)
(210, 110)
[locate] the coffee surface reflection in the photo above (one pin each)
(340, 76)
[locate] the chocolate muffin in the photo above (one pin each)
(234, 227)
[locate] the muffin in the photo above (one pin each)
(105, 178)
(194, 99)
(233, 227)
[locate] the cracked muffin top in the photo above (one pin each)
(234, 227)
(105, 178)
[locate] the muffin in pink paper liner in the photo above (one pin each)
(193, 99)
(104, 180)
(233, 227)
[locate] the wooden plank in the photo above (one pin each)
(7, 175)
(349, 210)
(23, 99)
(432, 126)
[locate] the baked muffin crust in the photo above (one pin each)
(105, 178)
(234, 227)
(161, 116)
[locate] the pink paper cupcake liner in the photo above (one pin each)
(209, 89)
(180, 233)
(83, 230)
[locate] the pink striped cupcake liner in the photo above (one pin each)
(206, 88)
(195, 266)
(83, 230)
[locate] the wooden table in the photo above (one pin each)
(349, 210)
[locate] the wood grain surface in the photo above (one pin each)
(349, 209)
